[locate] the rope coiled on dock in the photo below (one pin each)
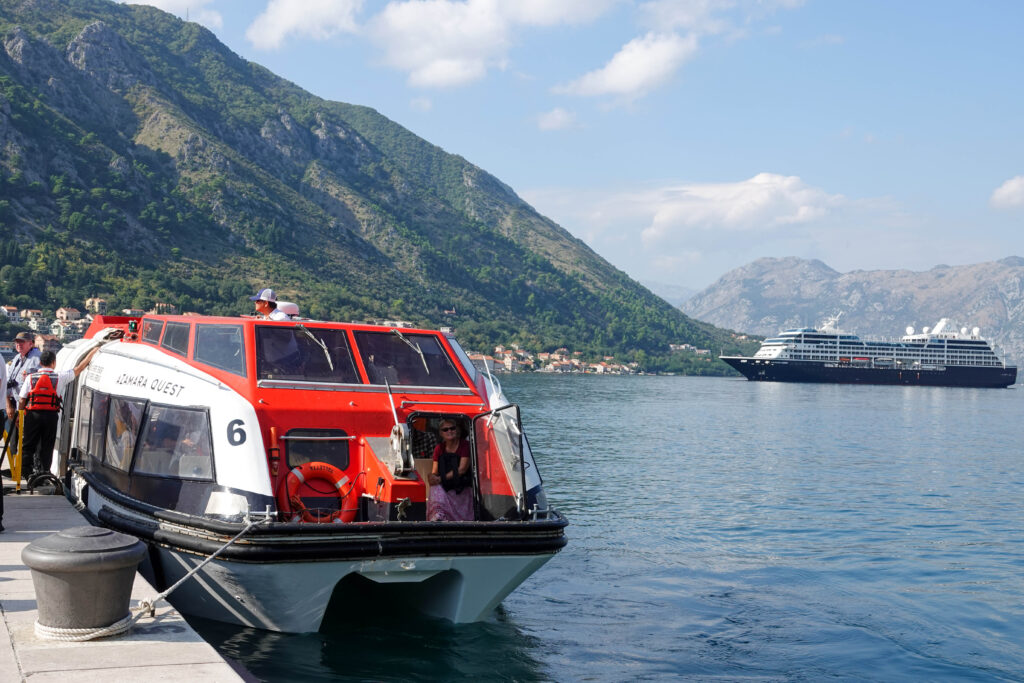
(81, 634)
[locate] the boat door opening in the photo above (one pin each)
(500, 463)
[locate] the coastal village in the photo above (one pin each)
(562, 360)
(70, 323)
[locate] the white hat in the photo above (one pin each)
(264, 295)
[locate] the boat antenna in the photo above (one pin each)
(391, 398)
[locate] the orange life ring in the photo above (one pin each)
(321, 471)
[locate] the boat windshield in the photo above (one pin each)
(398, 358)
(313, 354)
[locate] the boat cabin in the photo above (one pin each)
(316, 422)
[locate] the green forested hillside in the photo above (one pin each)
(143, 161)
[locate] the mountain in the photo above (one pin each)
(142, 161)
(770, 294)
(674, 294)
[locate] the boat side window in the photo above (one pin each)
(406, 359)
(317, 445)
(463, 357)
(312, 354)
(175, 443)
(123, 424)
(221, 346)
(84, 421)
(151, 330)
(97, 431)
(176, 337)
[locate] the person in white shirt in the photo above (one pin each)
(266, 305)
(22, 365)
(7, 446)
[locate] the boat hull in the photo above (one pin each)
(766, 370)
(289, 577)
(297, 597)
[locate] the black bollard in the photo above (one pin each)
(83, 576)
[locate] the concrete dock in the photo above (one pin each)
(160, 648)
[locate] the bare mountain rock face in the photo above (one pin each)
(770, 294)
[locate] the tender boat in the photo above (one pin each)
(941, 356)
(292, 458)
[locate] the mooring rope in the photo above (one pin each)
(147, 606)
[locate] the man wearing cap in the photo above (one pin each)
(23, 365)
(7, 446)
(266, 305)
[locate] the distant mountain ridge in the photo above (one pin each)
(770, 294)
(143, 161)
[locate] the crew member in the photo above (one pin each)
(23, 364)
(266, 305)
(7, 440)
(39, 397)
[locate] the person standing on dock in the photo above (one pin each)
(23, 364)
(40, 399)
(7, 444)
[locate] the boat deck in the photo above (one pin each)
(161, 648)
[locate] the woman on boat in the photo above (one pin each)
(451, 490)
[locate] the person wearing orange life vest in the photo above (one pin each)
(40, 399)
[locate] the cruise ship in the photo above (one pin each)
(940, 356)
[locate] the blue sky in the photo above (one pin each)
(683, 138)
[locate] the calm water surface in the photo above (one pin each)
(724, 529)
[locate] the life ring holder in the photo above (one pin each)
(318, 471)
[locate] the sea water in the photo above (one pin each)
(725, 529)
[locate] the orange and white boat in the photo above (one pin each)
(291, 457)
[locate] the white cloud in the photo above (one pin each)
(194, 10)
(691, 233)
(556, 119)
(554, 12)
(446, 43)
(1009, 195)
(697, 16)
(316, 19)
(762, 203)
(640, 66)
(674, 29)
(442, 43)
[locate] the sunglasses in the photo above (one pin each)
(449, 429)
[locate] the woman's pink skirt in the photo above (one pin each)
(448, 506)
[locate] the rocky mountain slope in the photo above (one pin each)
(774, 293)
(143, 161)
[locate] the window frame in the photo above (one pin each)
(205, 412)
(200, 328)
(147, 325)
(166, 342)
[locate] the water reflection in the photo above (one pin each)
(366, 643)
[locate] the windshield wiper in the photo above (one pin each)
(327, 354)
(414, 347)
